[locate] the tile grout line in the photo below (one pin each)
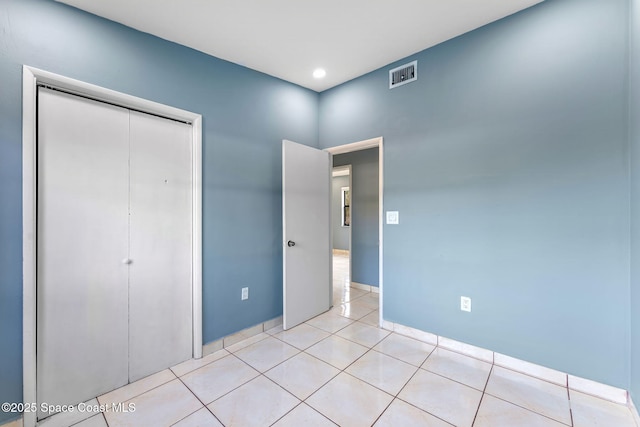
(248, 338)
(302, 401)
(362, 324)
(395, 397)
(257, 370)
(359, 319)
(144, 392)
(204, 405)
(547, 382)
(527, 409)
(380, 352)
(340, 370)
(426, 412)
(202, 366)
(411, 404)
(404, 336)
(461, 383)
(127, 400)
(232, 390)
(308, 354)
(302, 349)
(399, 360)
(384, 410)
(450, 379)
(293, 409)
(346, 373)
(94, 415)
(570, 406)
(372, 348)
(484, 390)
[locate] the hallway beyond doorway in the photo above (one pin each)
(356, 304)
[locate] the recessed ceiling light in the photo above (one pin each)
(319, 73)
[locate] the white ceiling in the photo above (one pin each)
(290, 38)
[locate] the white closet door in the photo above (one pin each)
(83, 180)
(160, 245)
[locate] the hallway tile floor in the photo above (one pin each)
(340, 369)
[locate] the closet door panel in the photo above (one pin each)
(160, 217)
(82, 215)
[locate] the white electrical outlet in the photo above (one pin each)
(393, 217)
(245, 293)
(465, 304)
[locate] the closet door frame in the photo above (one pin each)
(31, 78)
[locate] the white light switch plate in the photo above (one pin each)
(393, 217)
(465, 304)
(245, 293)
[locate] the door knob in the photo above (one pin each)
(126, 261)
(291, 243)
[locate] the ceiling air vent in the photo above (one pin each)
(403, 74)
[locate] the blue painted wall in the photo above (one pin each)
(634, 135)
(340, 233)
(364, 227)
(508, 161)
(246, 115)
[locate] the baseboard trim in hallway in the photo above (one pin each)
(363, 287)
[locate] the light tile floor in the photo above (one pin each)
(340, 369)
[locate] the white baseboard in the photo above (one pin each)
(270, 324)
(604, 391)
(583, 385)
(423, 336)
(531, 369)
(363, 287)
(242, 335)
(470, 350)
(212, 347)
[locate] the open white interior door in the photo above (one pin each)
(307, 253)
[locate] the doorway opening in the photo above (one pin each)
(341, 203)
(358, 239)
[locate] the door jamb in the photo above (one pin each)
(31, 78)
(359, 146)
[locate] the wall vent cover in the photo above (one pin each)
(403, 74)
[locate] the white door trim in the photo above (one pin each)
(31, 77)
(358, 146)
